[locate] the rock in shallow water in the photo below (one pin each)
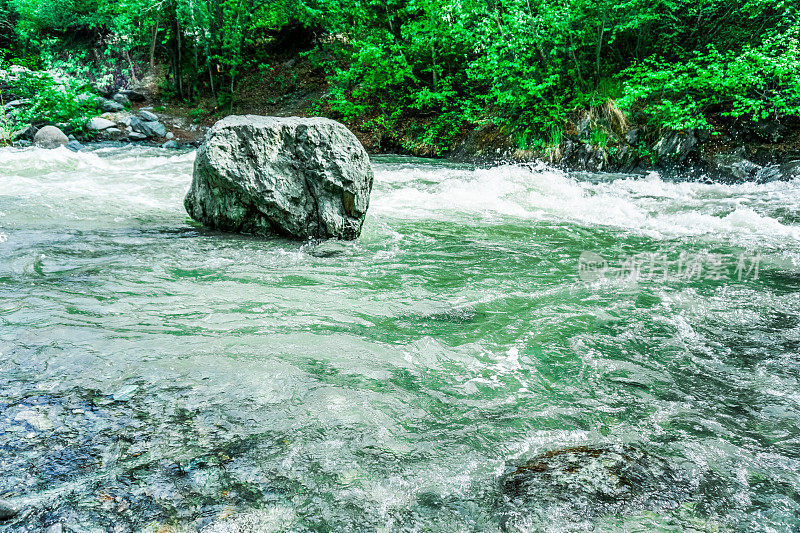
(7, 510)
(298, 177)
(593, 481)
(50, 137)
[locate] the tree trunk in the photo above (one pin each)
(153, 42)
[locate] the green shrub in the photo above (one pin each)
(51, 99)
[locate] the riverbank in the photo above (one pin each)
(601, 139)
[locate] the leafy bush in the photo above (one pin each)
(757, 81)
(51, 99)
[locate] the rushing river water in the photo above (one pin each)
(502, 349)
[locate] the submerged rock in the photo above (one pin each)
(74, 146)
(299, 177)
(7, 510)
(588, 481)
(50, 137)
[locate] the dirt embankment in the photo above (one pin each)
(593, 140)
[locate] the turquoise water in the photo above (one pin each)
(157, 376)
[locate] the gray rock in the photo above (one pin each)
(99, 124)
(299, 177)
(113, 131)
(170, 135)
(790, 170)
(767, 130)
(584, 126)
(597, 159)
(58, 527)
(149, 128)
(8, 510)
(17, 103)
(632, 136)
(121, 99)
(18, 70)
(50, 137)
(27, 132)
(676, 146)
(136, 136)
(736, 166)
(769, 174)
(74, 146)
(147, 116)
(170, 144)
(133, 95)
(110, 106)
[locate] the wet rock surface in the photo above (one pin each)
(149, 128)
(297, 177)
(50, 137)
(7, 510)
(84, 461)
(593, 481)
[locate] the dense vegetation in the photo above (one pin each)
(451, 64)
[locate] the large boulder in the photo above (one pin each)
(297, 177)
(50, 137)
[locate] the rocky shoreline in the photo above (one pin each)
(743, 151)
(595, 140)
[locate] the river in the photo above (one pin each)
(158, 376)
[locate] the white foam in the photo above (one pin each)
(650, 206)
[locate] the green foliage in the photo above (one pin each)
(51, 99)
(437, 67)
(197, 114)
(759, 82)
